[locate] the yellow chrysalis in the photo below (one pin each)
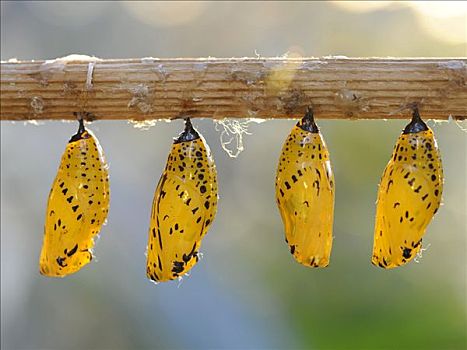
(408, 197)
(305, 194)
(184, 206)
(77, 207)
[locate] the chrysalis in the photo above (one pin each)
(408, 197)
(77, 207)
(184, 206)
(305, 194)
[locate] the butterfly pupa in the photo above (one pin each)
(77, 207)
(305, 194)
(408, 197)
(184, 207)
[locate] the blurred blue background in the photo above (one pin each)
(247, 292)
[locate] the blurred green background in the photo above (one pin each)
(247, 292)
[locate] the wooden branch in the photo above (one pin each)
(149, 88)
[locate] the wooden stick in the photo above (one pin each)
(150, 88)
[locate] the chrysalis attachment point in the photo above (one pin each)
(308, 122)
(82, 133)
(189, 134)
(416, 124)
